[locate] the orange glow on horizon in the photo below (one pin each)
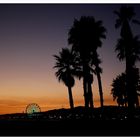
(18, 105)
(46, 91)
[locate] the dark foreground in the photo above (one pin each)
(79, 122)
(69, 128)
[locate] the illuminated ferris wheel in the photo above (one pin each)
(33, 108)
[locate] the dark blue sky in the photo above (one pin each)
(31, 34)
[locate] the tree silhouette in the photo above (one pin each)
(98, 70)
(128, 48)
(118, 90)
(64, 65)
(85, 37)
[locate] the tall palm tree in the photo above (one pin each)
(127, 49)
(65, 70)
(85, 37)
(98, 70)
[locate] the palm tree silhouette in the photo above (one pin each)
(85, 37)
(118, 90)
(128, 48)
(98, 70)
(64, 64)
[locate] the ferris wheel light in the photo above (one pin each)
(32, 108)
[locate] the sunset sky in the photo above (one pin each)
(29, 37)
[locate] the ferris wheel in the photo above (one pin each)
(33, 108)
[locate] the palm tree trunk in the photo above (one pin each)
(70, 97)
(100, 89)
(90, 95)
(129, 89)
(85, 92)
(126, 34)
(85, 87)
